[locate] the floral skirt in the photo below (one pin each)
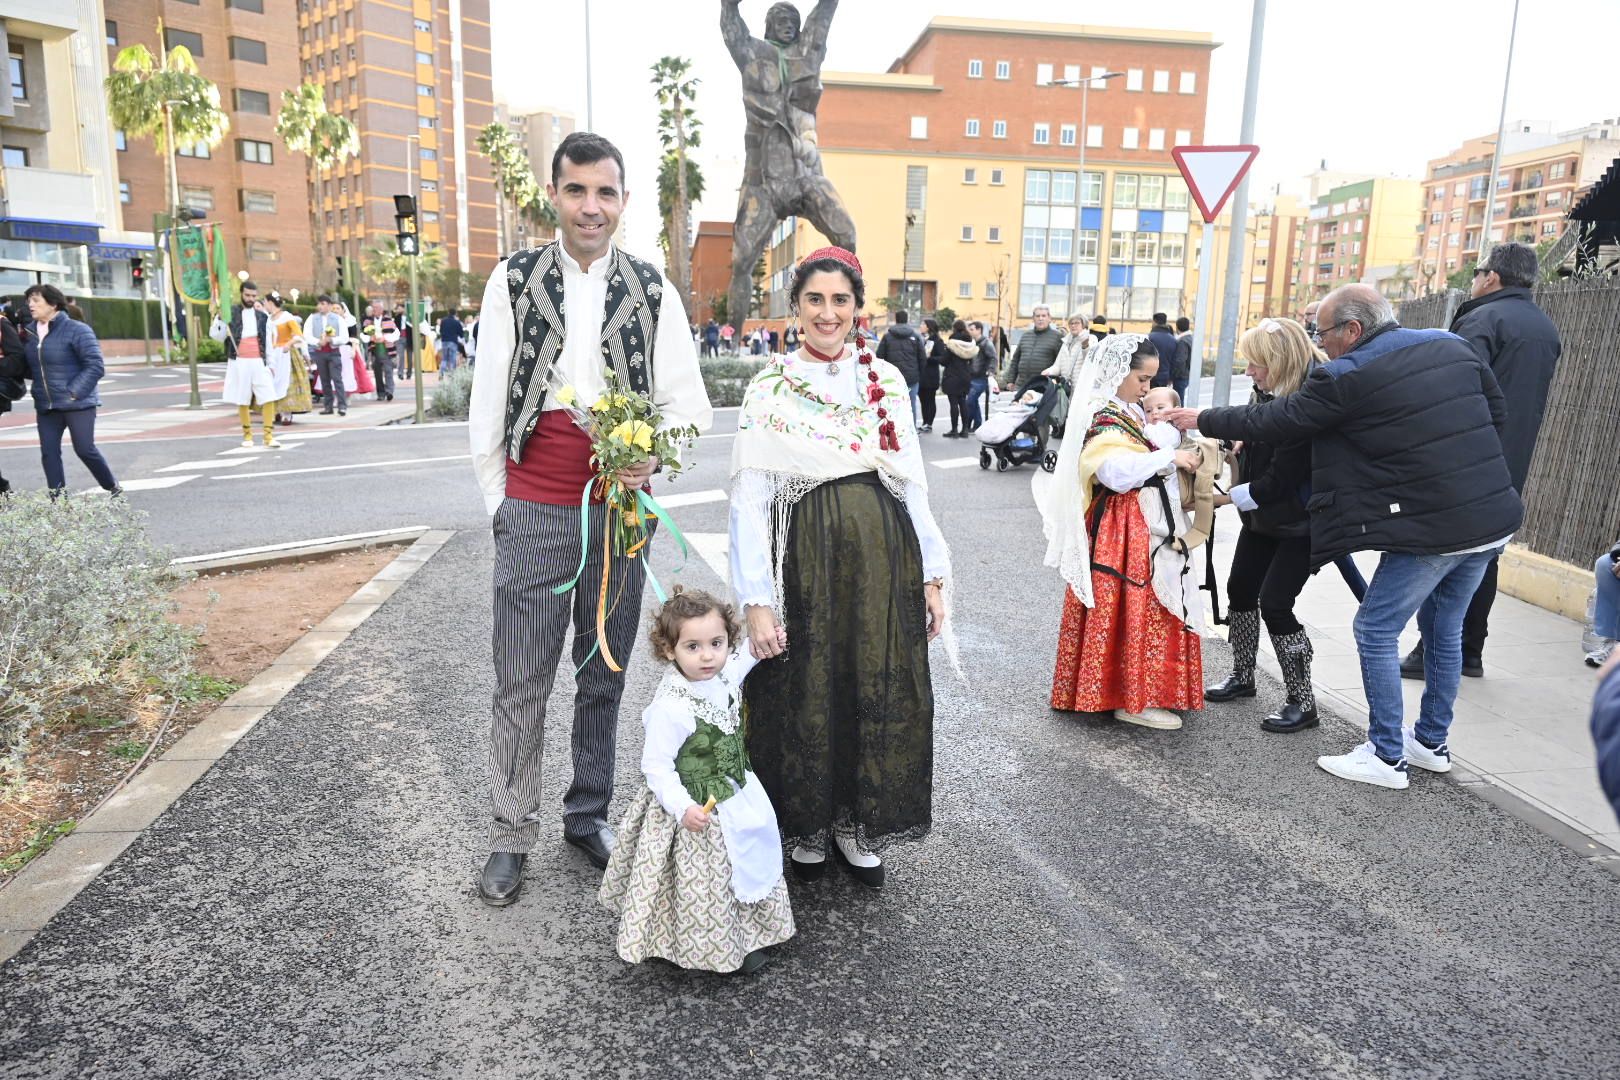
(671, 889)
(298, 395)
(1126, 652)
(841, 728)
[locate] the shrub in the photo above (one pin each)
(84, 605)
(452, 396)
(726, 379)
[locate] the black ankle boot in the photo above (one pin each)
(1294, 654)
(1230, 688)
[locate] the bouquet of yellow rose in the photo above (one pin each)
(626, 430)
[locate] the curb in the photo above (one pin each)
(278, 554)
(47, 884)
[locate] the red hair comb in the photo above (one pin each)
(843, 255)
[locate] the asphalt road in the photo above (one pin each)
(1095, 900)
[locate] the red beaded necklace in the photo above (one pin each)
(887, 439)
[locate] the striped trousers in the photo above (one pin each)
(536, 549)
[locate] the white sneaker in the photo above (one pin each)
(1600, 655)
(1158, 719)
(1436, 760)
(1365, 766)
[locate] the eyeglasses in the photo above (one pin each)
(1316, 335)
(1478, 270)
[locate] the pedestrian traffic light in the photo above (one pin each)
(409, 243)
(137, 272)
(405, 224)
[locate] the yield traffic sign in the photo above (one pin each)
(1213, 172)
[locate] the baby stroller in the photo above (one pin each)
(1019, 433)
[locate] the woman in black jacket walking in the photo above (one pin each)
(928, 384)
(64, 361)
(1272, 561)
(956, 378)
(13, 369)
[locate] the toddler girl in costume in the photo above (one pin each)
(696, 876)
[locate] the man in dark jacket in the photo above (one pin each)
(1406, 459)
(1164, 340)
(1521, 345)
(1037, 350)
(13, 370)
(980, 373)
(1181, 366)
(903, 347)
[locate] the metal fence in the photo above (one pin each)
(1572, 497)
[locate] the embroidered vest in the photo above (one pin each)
(629, 326)
(709, 759)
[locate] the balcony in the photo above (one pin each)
(1524, 209)
(48, 195)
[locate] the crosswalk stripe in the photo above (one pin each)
(211, 463)
(955, 463)
(692, 498)
(338, 468)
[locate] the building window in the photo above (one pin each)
(991, 292)
(964, 290)
(1043, 134)
(424, 58)
(249, 50)
(1003, 69)
(424, 26)
(1091, 189)
(423, 91)
(1128, 138)
(997, 177)
(1094, 135)
(427, 123)
(1161, 82)
(1097, 80)
(1150, 193)
(1060, 245)
(429, 217)
(1034, 243)
(970, 176)
(998, 130)
(1063, 188)
(255, 6)
(1189, 82)
(427, 154)
(1147, 248)
(919, 127)
(975, 69)
(429, 186)
(263, 251)
(259, 202)
(198, 150)
(197, 198)
(1037, 186)
(973, 129)
(120, 141)
(255, 151)
(112, 32)
(995, 235)
(253, 101)
(1155, 138)
(123, 192)
(192, 42)
(1125, 190)
(1119, 246)
(1043, 74)
(1133, 79)
(1183, 136)
(1549, 228)
(1066, 135)
(1437, 217)
(967, 234)
(1088, 245)
(1558, 171)
(1071, 75)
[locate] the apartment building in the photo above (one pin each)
(539, 133)
(966, 138)
(250, 184)
(711, 267)
(1362, 231)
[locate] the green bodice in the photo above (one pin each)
(708, 759)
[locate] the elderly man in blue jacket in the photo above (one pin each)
(1406, 459)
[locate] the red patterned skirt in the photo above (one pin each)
(1127, 652)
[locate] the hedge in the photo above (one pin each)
(726, 379)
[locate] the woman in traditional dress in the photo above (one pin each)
(355, 356)
(831, 536)
(289, 370)
(1129, 641)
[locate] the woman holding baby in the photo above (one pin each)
(1129, 640)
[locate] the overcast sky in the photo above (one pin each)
(1379, 86)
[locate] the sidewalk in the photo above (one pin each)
(1523, 728)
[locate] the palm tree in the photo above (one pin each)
(669, 192)
(515, 179)
(164, 98)
(381, 262)
(306, 127)
(679, 130)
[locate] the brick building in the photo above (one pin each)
(966, 134)
(711, 267)
(250, 184)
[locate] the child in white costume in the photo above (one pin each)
(696, 876)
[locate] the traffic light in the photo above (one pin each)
(405, 224)
(137, 272)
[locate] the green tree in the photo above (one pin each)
(327, 138)
(515, 179)
(679, 130)
(165, 99)
(945, 316)
(1460, 278)
(720, 304)
(383, 264)
(668, 193)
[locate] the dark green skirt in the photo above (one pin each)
(841, 728)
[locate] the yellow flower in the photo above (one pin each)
(634, 433)
(567, 396)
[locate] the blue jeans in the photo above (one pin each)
(1438, 588)
(916, 407)
(1606, 612)
(447, 356)
(977, 388)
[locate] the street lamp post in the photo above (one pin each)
(417, 342)
(1501, 138)
(1080, 182)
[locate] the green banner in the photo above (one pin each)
(188, 254)
(222, 270)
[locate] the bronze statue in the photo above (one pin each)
(781, 77)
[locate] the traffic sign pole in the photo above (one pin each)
(1212, 174)
(1206, 273)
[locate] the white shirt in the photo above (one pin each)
(677, 381)
(1127, 472)
(751, 512)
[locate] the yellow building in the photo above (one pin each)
(960, 168)
(1366, 231)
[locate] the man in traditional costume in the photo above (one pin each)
(563, 315)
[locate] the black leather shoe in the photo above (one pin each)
(754, 961)
(1230, 689)
(1474, 667)
(1412, 665)
(807, 871)
(1290, 718)
(870, 876)
(502, 878)
(597, 846)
